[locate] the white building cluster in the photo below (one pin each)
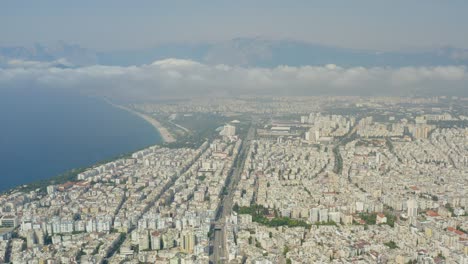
(387, 184)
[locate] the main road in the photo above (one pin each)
(218, 239)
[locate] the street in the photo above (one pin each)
(219, 238)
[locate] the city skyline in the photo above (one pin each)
(262, 181)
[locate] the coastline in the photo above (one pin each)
(84, 147)
(166, 136)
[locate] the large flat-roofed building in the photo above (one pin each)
(8, 221)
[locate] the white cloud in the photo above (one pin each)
(175, 77)
(175, 63)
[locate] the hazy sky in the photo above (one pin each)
(123, 24)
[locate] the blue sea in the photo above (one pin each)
(44, 133)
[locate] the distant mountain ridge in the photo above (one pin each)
(73, 54)
(257, 52)
(249, 52)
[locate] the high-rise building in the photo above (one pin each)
(228, 131)
(317, 135)
(155, 240)
(187, 241)
(314, 215)
(412, 206)
(143, 240)
(323, 215)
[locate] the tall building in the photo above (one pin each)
(155, 240)
(323, 215)
(317, 135)
(228, 131)
(421, 131)
(412, 206)
(187, 241)
(143, 240)
(314, 215)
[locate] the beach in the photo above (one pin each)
(166, 136)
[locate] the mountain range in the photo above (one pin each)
(72, 53)
(247, 52)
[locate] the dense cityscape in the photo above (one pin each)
(262, 180)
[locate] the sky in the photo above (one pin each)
(107, 25)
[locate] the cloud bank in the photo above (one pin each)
(182, 78)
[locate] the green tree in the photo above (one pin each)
(235, 208)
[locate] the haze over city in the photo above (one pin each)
(255, 132)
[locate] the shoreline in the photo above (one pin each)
(166, 136)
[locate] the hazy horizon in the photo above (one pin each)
(180, 49)
(121, 25)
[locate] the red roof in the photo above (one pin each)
(432, 213)
(82, 184)
(458, 232)
(65, 186)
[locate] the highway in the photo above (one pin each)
(219, 244)
(218, 239)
